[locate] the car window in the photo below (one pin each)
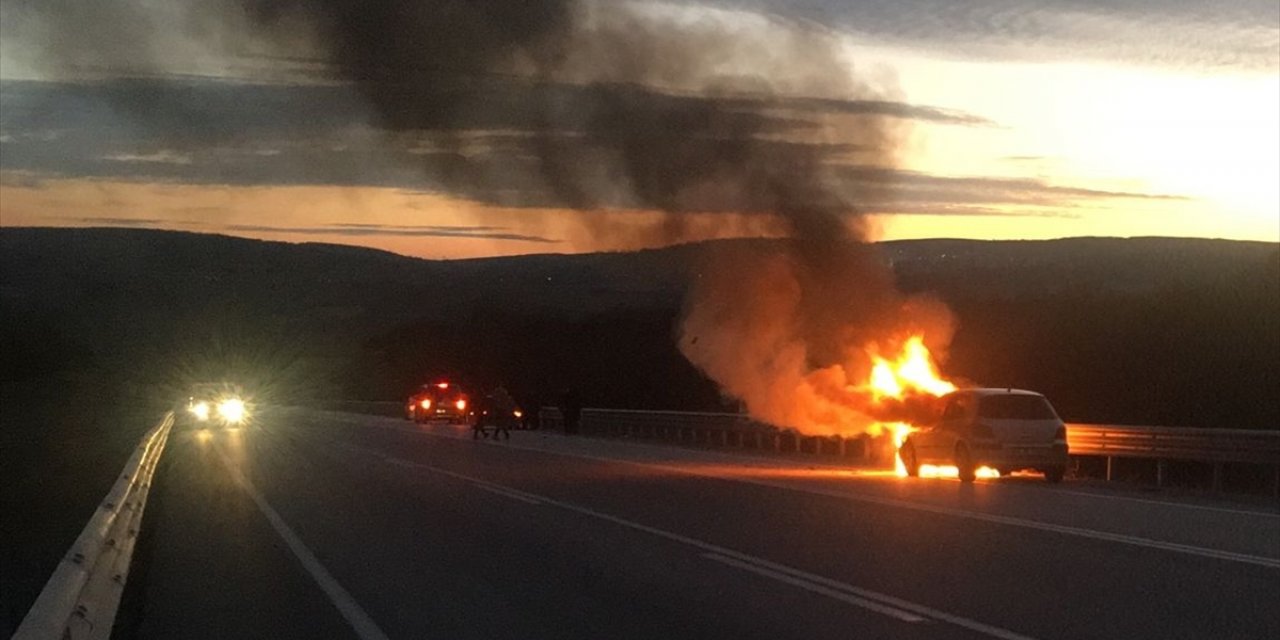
(1016, 407)
(955, 409)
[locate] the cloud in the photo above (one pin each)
(155, 157)
(352, 231)
(122, 222)
(235, 134)
(414, 228)
(1240, 34)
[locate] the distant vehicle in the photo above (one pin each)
(439, 401)
(216, 404)
(1006, 429)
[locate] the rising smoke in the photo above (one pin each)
(636, 106)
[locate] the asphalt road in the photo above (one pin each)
(319, 525)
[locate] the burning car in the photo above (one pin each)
(989, 432)
(439, 401)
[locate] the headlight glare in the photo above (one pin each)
(231, 410)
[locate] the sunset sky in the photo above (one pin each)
(1010, 119)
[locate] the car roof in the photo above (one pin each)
(994, 391)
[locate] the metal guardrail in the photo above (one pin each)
(1111, 442)
(81, 597)
(550, 418)
(1216, 447)
(715, 429)
(1174, 443)
(388, 408)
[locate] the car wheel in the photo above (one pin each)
(908, 455)
(1054, 474)
(964, 464)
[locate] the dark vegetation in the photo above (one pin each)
(1137, 331)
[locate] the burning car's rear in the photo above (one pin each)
(1004, 430)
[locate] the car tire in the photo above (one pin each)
(964, 464)
(908, 455)
(1054, 474)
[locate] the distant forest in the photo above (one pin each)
(1131, 331)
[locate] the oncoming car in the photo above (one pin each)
(439, 401)
(216, 404)
(1005, 429)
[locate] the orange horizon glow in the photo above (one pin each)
(220, 210)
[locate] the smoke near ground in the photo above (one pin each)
(631, 106)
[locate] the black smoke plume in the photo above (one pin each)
(628, 106)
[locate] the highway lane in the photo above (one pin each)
(427, 534)
(1196, 524)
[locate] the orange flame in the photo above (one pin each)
(913, 371)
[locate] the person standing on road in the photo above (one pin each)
(571, 409)
(497, 410)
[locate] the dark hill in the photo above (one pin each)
(1146, 330)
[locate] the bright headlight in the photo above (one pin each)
(231, 409)
(200, 410)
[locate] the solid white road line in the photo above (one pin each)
(843, 596)
(1175, 547)
(502, 491)
(360, 622)
(898, 608)
(1176, 505)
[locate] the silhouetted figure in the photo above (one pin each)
(497, 411)
(571, 410)
(528, 412)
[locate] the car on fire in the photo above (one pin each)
(439, 401)
(1004, 429)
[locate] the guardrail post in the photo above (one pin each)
(1110, 468)
(1160, 472)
